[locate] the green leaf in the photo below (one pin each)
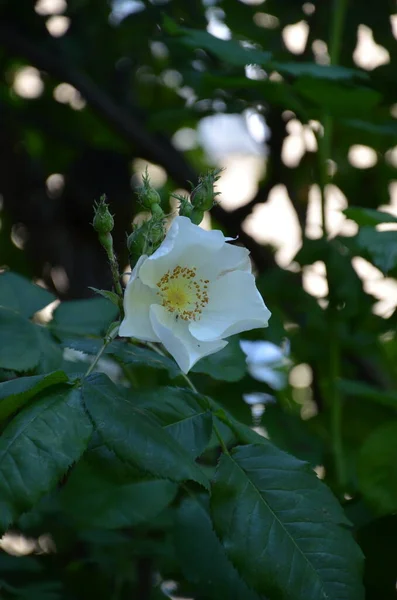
(229, 51)
(38, 447)
(377, 473)
(127, 353)
(368, 216)
(282, 528)
(299, 69)
(338, 98)
(180, 413)
(144, 357)
(83, 317)
(202, 557)
(21, 295)
(112, 296)
(120, 500)
(19, 349)
(226, 365)
(16, 393)
(357, 389)
(135, 436)
(381, 247)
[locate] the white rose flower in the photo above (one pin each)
(192, 292)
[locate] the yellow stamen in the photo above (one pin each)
(183, 293)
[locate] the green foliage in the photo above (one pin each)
(134, 436)
(141, 483)
(19, 348)
(83, 317)
(267, 504)
(376, 469)
(38, 447)
(21, 295)
(16, 393)
(121, 496)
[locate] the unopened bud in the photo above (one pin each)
(103, 221)
(196, 216)
(145, 239)
(147, 195)
(185, 208)
(203, 196)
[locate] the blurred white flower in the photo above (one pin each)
(195, 290)
(267, 362)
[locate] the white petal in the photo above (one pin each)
(177, 339)
(232, 258)
(235, 305)
(137, 300)
(185, 244)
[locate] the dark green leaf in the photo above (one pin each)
(83, 317)
(180, 413)
(136, 356)
(202, 557)
(282, 528)
(229, 51)
(377, 471)
(119, 501)
(16, 393)
(381, 247)
(299, 69)
(336, 97)
(38, 447)
(112, 296)
(21, 295)
(227, 365)
(19, 348)
(368, 216)
(134, 435)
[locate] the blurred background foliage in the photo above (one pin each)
(298, 100)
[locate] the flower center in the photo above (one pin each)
(183, 293)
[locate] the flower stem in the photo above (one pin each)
(109, 337)
(324, 153)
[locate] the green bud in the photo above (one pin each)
(146, 238)
(103, 222)
(185, 208)
(147, 195)
(196, 216)
(157, 211)
(203, 196)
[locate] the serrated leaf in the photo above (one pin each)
(21, 295)
(16, 393)
(179, 412)
(112, 296)
(377, 474)
(120, 501)
(19, 348)
(38, 447)
(282, 528)
(202, 557)
(368, 216)
(83, 317)
(134, 435)
(51, 353)
(228, 364)
(134, 355)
